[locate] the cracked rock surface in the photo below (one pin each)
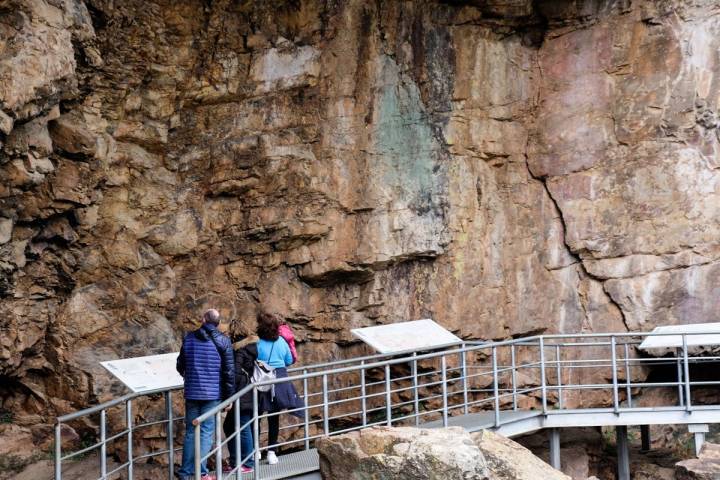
(505, 168)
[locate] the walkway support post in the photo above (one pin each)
(645, 437)
(555, 448)
(698, 430)
(623, 454)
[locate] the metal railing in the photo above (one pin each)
(548, 374)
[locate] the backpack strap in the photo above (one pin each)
(271, 350)
(217, 347)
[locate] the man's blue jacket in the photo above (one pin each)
(207, 364)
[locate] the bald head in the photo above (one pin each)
(212, 317)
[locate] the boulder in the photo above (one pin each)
(402, 453)
(705, 467)
(508, 460)
(411, 453)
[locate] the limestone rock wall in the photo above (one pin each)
(504, 167)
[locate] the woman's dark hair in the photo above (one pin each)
(267, 326)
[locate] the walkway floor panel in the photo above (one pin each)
(482, 420)
(290, 465)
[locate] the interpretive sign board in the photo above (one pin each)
(404, 337)
(698, 334)
(143, 374)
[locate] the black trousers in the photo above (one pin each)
(273, 431)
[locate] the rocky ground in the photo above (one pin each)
(504, 167)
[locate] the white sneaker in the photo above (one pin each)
(272, 458)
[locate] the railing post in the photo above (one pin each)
(628, 388)
(558, 371)
(198, 450)
(495, 387)
(170, 433)
(463, 370)
(306, 422)
(58, 451)
(688, 400)
(218, 445)
(238, 450)
(129, 422)
(443, 366)
(326, 407)
(388, 397)
(616, 402)
(679, 377)
(514, 377)
(543, 388)
(416, 398)
(256, 435)
(103, 444)
(363, 393)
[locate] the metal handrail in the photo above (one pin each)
(396, 400)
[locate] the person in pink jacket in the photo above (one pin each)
(286, 332)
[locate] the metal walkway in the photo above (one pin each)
(513, 387)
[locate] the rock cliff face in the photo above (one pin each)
(504, 167)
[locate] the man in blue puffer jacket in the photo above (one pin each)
(207, 364)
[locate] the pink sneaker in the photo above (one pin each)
(244, 469)
(208, 476)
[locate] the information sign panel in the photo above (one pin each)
(143, 374)
(698, 334)
(404, 337)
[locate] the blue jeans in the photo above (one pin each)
(193, 409)
(246, 438)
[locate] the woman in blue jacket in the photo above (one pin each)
(274, 350)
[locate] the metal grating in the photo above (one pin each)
(290, 465)
(482, 420)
